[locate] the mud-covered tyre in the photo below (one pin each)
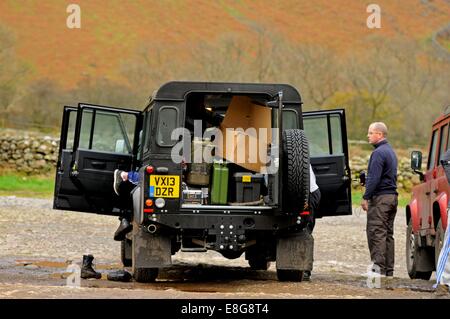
(125, 252)
(259, 264)
(295, 173)
(411, 256)
(290, 275)
(439, 242)
(145, 274)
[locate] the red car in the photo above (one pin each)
(426, 214)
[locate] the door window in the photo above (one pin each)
(107, 131)
(324, 135)
(443, 144)
(433, 150)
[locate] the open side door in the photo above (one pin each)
(95, 140)
(327, 135)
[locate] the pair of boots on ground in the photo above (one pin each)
(88, 272)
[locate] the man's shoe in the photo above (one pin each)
(307, 275)
(120, 275)
(123, 229)
(117, 181)
(87, 271)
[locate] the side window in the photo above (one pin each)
(107, 131)
(71, 129)
(290, 119)
(148, 128)
(433, 150)
(324, 135)
(167, 122)
(443, 140)
(448, 140)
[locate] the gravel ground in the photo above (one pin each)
(37, 243)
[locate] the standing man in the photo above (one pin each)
(380, 200)
(314, 202)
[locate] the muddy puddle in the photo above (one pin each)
(206, 281)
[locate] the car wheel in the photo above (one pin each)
(290, 275)
(438, 242)
(411, 256)
(145, 274)
(259, 264)
(295, 170)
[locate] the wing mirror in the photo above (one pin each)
(416, 160)
(416, 163)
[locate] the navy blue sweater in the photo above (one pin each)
(382, 171)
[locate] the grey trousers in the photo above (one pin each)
(380, 232)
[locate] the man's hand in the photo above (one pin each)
(365, 204)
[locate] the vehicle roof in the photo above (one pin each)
(442, 117)
(177, 90)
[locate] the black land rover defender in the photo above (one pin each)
(220, 205)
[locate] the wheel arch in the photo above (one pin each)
(412, 212)
(440, 210)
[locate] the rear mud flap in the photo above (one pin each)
(150, 251)
(137, 200)
(296, 251)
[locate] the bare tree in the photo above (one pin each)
(317, 70)
(220, 60)
(12, 72)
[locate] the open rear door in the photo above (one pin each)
(327, 135)
(95, 140)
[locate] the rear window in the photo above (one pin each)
(167, 122)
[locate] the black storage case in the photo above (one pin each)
(248, 187)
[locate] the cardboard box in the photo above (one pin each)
(243, 142)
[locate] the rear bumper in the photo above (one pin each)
(217, 223)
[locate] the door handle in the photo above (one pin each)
(99, 164)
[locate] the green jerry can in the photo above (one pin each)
(219, 191)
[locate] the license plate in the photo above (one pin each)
(165, 186)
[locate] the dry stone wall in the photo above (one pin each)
(28, 152)
(406, 179)
(36, 153)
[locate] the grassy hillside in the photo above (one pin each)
(111, 31)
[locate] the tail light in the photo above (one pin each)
(149, 169)
(304, 213)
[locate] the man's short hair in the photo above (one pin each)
(380, 127)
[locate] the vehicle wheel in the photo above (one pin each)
(289, 275)
(125, 252)
(259, 264)
(439, 242)
(295, 170)
(145, 274)
(411, 253)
